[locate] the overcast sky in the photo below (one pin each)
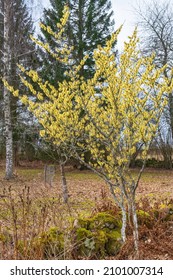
(123, 14)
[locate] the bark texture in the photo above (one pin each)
(7, 109)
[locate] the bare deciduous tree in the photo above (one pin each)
(156, 24)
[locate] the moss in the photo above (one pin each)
(82, 233)
(144, 218)
(83, 223)
(100, 238)
(142, 213)
(90, 244)
(114, 243)
(100, 221)
(104, 221)
(97, 236)
(84, 243)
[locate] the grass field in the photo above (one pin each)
(28, 208)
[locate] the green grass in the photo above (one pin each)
(82, 175)
(29, 173)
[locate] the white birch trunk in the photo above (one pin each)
(121, 204)
(135, 227)
(124, 224)
(7, 109)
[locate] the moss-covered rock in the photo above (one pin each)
(114, 243)
(105, 221)
(86, 243)
(97, 236)
(100, 221)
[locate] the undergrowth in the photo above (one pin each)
(40, 226)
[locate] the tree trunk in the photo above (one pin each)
(171, 112)
(121, 204)
(135, 226)
(64, 183)
(7, 109)
(124, 224)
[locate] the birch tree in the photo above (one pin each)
(15, 47)
(7, 16)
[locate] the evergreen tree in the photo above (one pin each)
(90, 24)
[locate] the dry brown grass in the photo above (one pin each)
(28, 209)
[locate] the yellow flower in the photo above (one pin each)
(42, 133)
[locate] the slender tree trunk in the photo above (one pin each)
(8, 136)
(64, 183)
(7, 109)
(124, 224)
(171, 112)
(121, 204)
(135, 226)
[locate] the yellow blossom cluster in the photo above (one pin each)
(62, 53)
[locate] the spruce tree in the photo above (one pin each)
(90, 24)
